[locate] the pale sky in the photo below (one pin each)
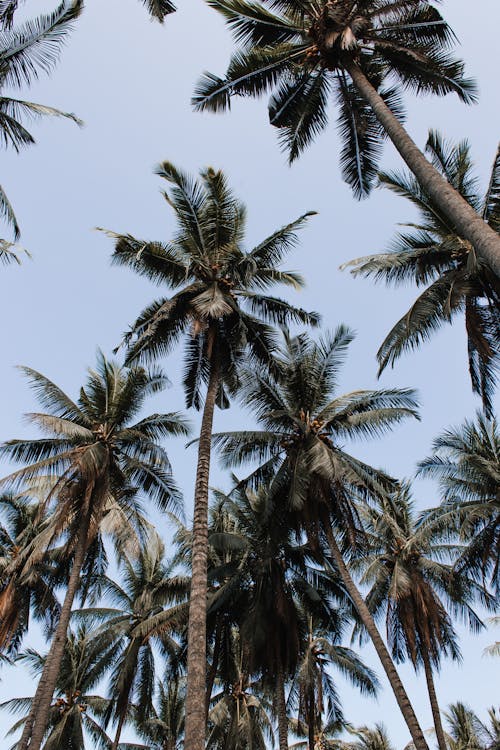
(131, 81)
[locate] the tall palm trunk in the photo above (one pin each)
(436, 714)
(380, 647)
(197, 641)
(38, 718)
(118, 732)
(467, 222)
(281, 707)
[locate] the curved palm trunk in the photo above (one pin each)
(380, 647)
(281, 708)
(467, 222)
(197, 641)
(436, 714)
(36, 723)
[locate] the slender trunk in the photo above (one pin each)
(281, 707)
(311, 729)
(38, 717)
(467, 222)
(197, 640)
(118, 733)
(380, 647)
(436, 714)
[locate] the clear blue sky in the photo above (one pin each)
(131, 80)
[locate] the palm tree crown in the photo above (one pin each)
(304, 53)
(436, 256)
(220, 303)
(98, 457)
(466, 463)
(305, 425)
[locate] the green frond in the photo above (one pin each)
(298, 107)
(426, 69)
(253, 25)
(35, 46)
(361, 138)
(159, 9)
(435, 306)
(157, 261)
(250, 73)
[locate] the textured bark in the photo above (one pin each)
(281, 708)
(436, 714)
(380, 647)
(38, 717)
(468, 224)
(197, 640)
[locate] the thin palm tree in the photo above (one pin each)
(25, 52)
(239, 717)
(76, 709)
(98, 457)
(270, 589)
(221, 310)
(164, 730)
(417, 591)
(436, 256)
(360, 54)
(34, 592)
(317, 695)
(301, 445)
(466, 463)
(148, 589)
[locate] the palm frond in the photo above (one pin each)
(35, 46)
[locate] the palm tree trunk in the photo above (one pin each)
(281, 707)
(436, 714)
(380, 647)
(36, 723)
(197, 640)
(467, 222)
(118, 733)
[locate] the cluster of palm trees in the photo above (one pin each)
(233, 639)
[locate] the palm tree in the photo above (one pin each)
(466, 731)
(466, 463)
(239, 715)
(164, 730)
(222, 311)
(416, 591)
(25, 52)
(76, 709)
(315, 687)
(98, 457)
(301, 446)
(148, 588)
(370, 739)
(270, 587)
(436, 256)
(309, 52)
(35, 591)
